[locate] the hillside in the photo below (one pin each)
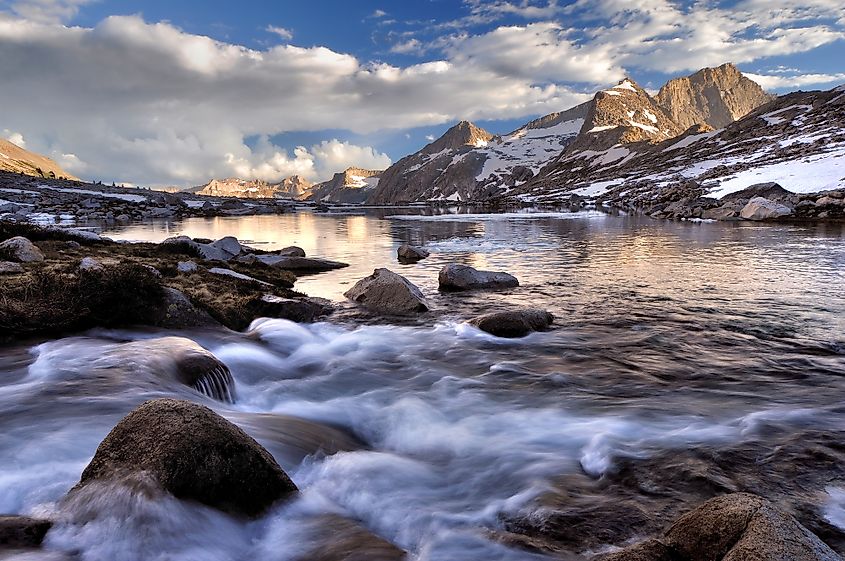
(294, 187)
(18, 160)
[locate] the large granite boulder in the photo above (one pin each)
(463, 277)
(760, 208)
(514, 323)
(192, 453)
(21, 250)
(301, 264)
(389, 293)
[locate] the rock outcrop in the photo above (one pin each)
(713, 96)
(353, 185)
(388, 293)
(463, 277)
(192, 453)
(514, 323)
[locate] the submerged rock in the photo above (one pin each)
(463, 277)
(760, 208)
(340, 539)
(22, 531)
(21, 250)
(387, 292)
(192, 453)
(300, 310)
(409, 253)
(514, 323)
(301, 264)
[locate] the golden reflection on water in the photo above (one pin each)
(561, 263)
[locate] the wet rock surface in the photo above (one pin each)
(411, 254)
(455, 276)
(387, 292)
(22, 531)
(514, 323)
(192, 453)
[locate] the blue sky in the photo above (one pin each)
(163, 92)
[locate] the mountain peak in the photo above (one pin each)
(19, 160)
(715, 96)
(462, 134)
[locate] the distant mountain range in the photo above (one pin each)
(713, 132)
(293, 187)
(18, 160)
(470, 164)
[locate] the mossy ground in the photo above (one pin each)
(54, 296)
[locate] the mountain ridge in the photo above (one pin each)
(20, 160)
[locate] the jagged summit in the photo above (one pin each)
(19, 160)
(462, 134)
(291, 187)
(715, 96)
(623, 114)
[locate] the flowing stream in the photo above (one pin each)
(688, 359)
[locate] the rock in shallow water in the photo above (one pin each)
(22, 531)
(192, 453)
(463, 277)
(410, 254)
(389, 293)
(514, 323)
(734, 527)
(759, 208)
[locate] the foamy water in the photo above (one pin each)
(670, 340)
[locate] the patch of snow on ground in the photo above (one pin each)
(5, 202)
(650, 116)
(611, 92)
(691, 139)
(648, 128)
(602, 128)
(597, 188)
(124, 197)
(625, 85)
(194, 204)
(772, 120)
(501, 216)
(19, 191)
(817, 173)
(611, 155)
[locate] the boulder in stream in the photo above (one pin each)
(192, 453)
(411, 254)
(455, 276)
(389, 293)
(514, 323)
(22, 531)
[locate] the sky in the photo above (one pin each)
(176, 93)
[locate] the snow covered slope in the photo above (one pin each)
(797, 140)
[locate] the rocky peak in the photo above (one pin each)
(460, 135)
(622, 114)
(715, 96)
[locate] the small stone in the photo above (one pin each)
(10, 268)
(186, 267)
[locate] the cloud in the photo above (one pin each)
(46, 11)
(282, 32)
(14, 138)
(411, 46)
(149, 103)
(378, 14)
(781, 81)
(130, 100)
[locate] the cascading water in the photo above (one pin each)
(688, 360)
